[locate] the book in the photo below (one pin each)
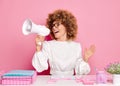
(19, 73)
(19, 77)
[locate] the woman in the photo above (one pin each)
(63, 54)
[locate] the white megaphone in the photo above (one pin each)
(30, 27)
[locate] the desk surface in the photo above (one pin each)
(46, 81)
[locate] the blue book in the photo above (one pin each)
(19, 73)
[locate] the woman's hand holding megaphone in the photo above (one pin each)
(38, 40)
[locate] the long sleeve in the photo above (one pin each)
(40, 59)
(81, 67)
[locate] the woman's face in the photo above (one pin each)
(59, 31)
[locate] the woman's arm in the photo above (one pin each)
(40, 57)
(82, 67)
(38, 40)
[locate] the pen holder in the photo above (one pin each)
(101, 77)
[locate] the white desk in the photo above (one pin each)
(43, 81)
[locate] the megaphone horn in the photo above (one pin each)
(30, 27)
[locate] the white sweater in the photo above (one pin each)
(63, 57)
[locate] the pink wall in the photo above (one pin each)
(98, 20)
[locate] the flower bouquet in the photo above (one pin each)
(113, 68)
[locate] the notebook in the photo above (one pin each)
(18, 77)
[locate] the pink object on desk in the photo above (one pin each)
(55, 78)
(18, 80)
(85, 79)
(88, 82)
(101, 77)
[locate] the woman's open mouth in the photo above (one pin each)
(56, 32)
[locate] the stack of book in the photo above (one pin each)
(1, 73)
(18, 77)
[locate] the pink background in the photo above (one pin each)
(98, 21)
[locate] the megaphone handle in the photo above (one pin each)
(39, 43)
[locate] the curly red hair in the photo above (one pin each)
(67, 19)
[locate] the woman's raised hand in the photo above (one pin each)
(89, 52)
